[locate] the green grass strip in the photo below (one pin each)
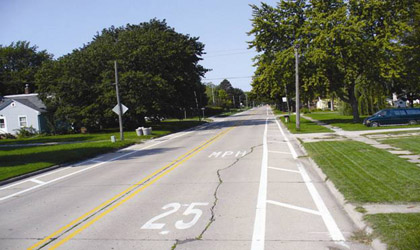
(363, 173)
(18, 160)
(398, 231)
(411, 143)
(306, 126)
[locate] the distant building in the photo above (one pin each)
(18, 111)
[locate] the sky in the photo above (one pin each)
(59, 26)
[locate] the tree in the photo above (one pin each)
(158, 75)
(18, 64)
(346, 47)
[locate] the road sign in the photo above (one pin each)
(116, 109)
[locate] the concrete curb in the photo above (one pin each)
(355, 216)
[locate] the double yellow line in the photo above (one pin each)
(109, 205)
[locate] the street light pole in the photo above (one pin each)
(297, 88)
(120, 113)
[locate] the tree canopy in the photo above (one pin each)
(159, 72)
(350, 49)
(19, 63)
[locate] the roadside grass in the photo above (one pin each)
(345, 122)
(306, 126)
(398, 231)
(363, 173)
(411, 143)
(159, 129)
(18, 160)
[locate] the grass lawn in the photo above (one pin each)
(345, 122)
(363, 173)
(15, 161)
(399, 231)
(306, 126)
(411, 143)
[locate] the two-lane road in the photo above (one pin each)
(236, 183)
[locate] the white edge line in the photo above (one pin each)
(283, 169)
(302, 209)
(332, 227)
(292, 150)
(258, 236)
(279, 152)
(38, 181)
(82, 170)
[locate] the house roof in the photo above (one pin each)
(30, 100)
(4, 103)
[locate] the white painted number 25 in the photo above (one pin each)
(173, 208)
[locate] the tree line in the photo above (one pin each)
(225, 95)
(159, 76)
(360, 51)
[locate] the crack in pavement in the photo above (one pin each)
(216, 199)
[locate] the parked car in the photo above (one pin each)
(393, 117)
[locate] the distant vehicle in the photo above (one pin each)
(393, 117)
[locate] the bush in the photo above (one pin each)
(345, 109)
(7, 136)
(305, 111)
(26, 132)
(213, 110)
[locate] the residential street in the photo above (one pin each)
(236, 183)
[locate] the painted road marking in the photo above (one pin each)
(124, 196)
(151, 224)
(223, 154)
(332, 227)
(283, 169)
(292, 150)
(258, 236)
(279, 152)
(306, 210)
(38, 181)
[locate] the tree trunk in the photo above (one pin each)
(354, 104)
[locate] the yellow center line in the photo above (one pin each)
(157, 174)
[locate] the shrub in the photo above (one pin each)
(305, 111)
(26, 132)
(7, 136)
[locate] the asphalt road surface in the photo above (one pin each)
(236, 183)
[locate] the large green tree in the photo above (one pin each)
(18, 64)
(158, 68)
(347, 48)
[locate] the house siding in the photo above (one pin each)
(15, 110)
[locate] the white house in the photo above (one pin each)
(18, 111)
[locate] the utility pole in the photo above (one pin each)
(196, 102)
(297, 88)
(246, 100)
(233, 97)
(120, 113)
(212, 93)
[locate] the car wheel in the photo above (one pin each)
(412, 122)
(375, 124)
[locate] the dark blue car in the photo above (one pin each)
(393, 117)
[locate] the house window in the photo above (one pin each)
(2, 123)
(23, 121)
